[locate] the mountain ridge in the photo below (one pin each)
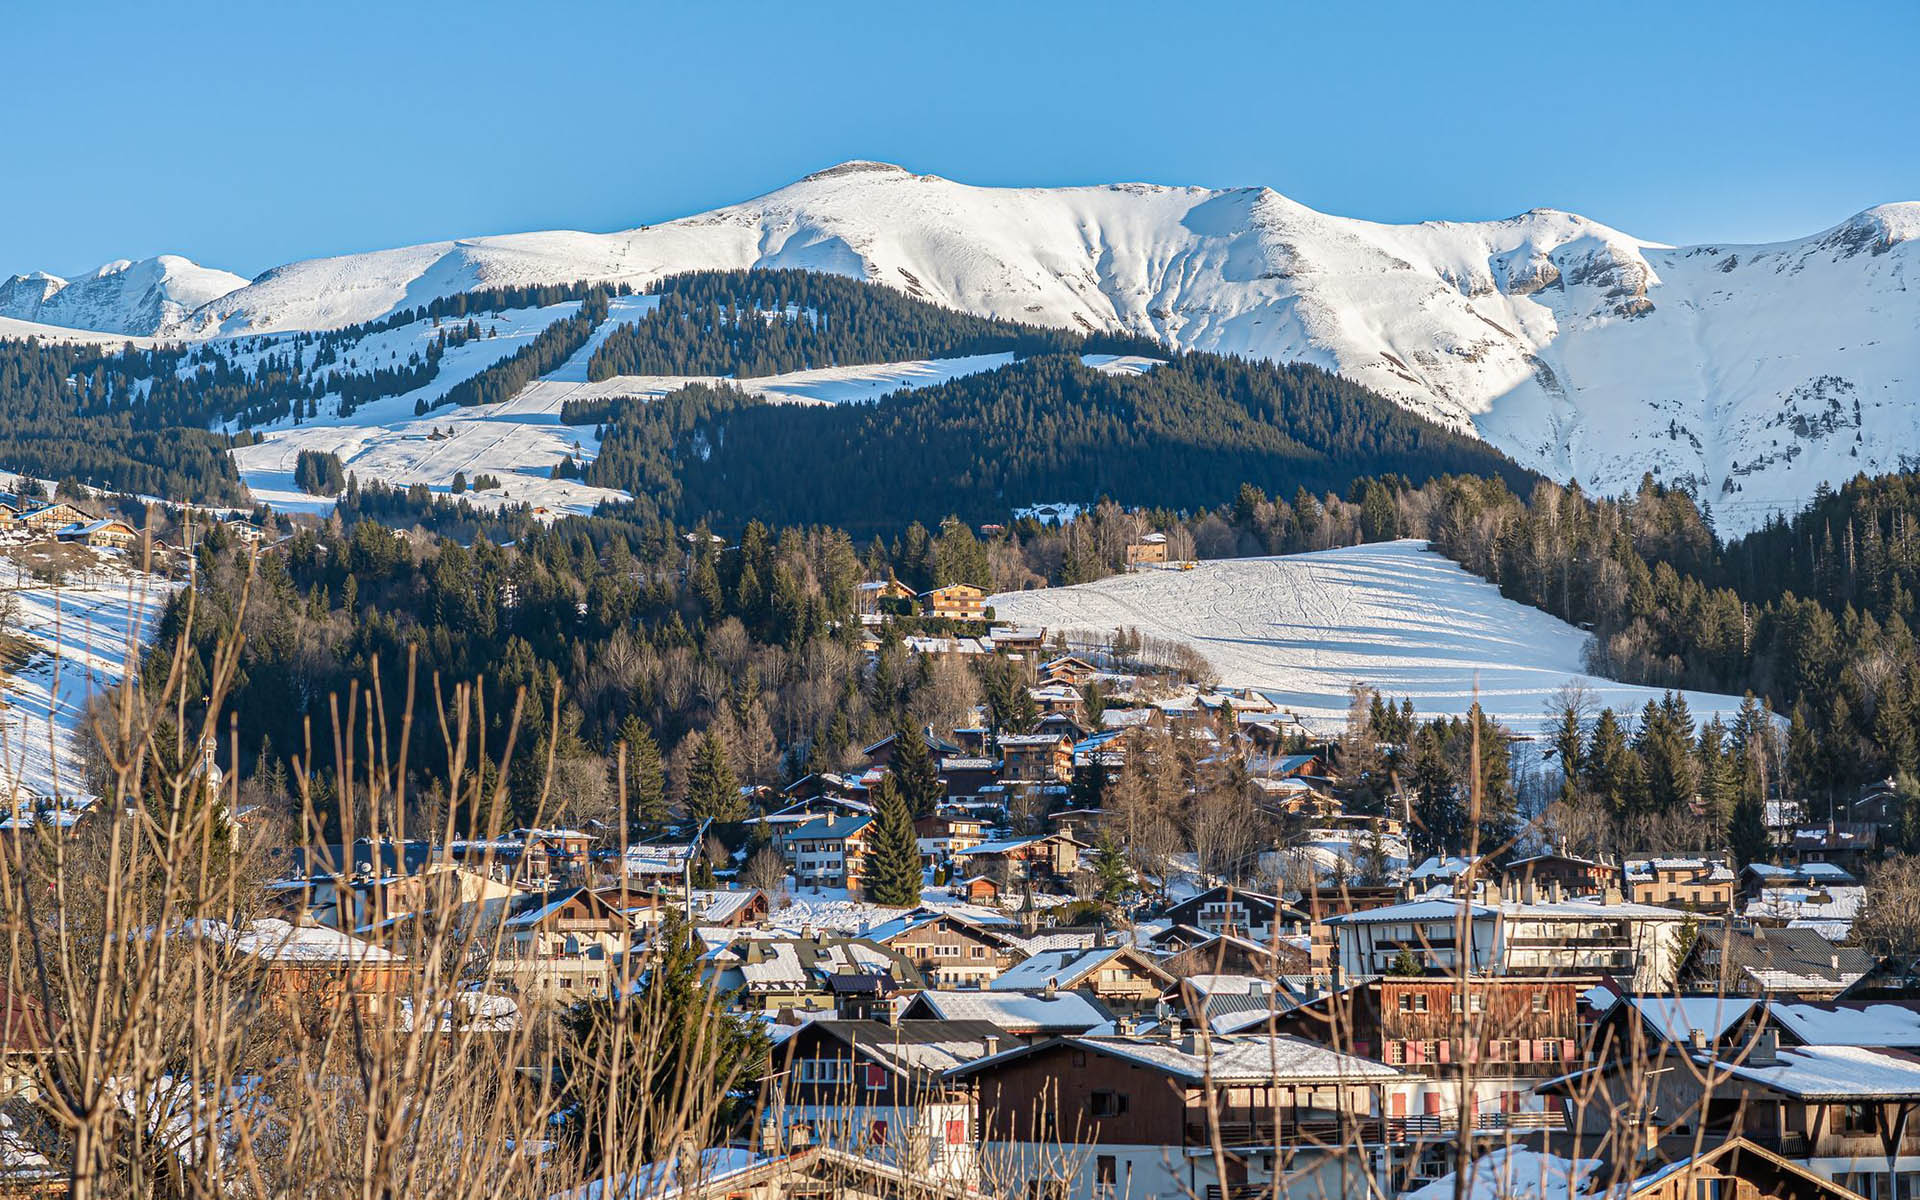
(1749, 373)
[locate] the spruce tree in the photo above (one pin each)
(892, 872)
(712, 790)
(915, 773)
(646, 777)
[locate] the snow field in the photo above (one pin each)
(80, 635)
(1305, 628)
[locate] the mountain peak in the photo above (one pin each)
(856, 166)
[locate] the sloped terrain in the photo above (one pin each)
(1305, 628)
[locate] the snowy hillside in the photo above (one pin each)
(142, 297)
(1304, 628)
(1750, 372)
(78, 635)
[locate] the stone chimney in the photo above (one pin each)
(1052, 990)
(1766, 1049)
(1172, 1029)
(993, 1044)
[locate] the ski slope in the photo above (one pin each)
(80, 633)
(1305, 628)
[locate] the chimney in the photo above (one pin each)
(1698, 1038)
(1124, 1026)
(1557, 892)
(1052, 989)
(1172, 1029)
(993, 1044)
(1766, 1049)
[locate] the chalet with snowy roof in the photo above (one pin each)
(1060, 724)
(1122, 978)
(955, 602)
(1022, 1016)
(802, 973)
(1131, 718)
(1633, 942)
(1036, 757)
(711, 908)
(1035, 856)
(1817, 896)
(1504, 1034)
(109, 533)
(950, 951)
(1850, 845)
(1703, 884)
(1256, 916)
(567, 944)
(879, 1089)
(50, 518)
(880, 753)
(1572, 875)
(1068, 670)
(1150, 549)
(879, 598)
(826, 852)
(1122, 1116)
(969, 775)
(1757, 961)
(1015, 639)
(303, 967)
(1230, 954)
(948, 834)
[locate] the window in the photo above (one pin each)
(1477, 1002)
(1550, 1050)
(1707, 1189)
(1107, 1104)
(1539, 1002)
(1454, 1002)
(1396, 1054)
(1406, 1002)
(1420, 1002)
(1857, 1118)
(977, 951)
(1079, 1058)
(1106, 1174)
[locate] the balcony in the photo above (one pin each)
(1366, 1131)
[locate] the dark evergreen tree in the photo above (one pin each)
(892, 871)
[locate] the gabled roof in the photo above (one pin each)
(1069, 968)
(1831, 1073)
(828, 828)
(1015, 1012)
(907, 1047)
(1222, 1059)
(1886, 1026)
(1674, 1018)
(1786, 959)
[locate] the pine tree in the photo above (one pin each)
(1716, 779)
(915, 773)
(892, 871)
(646, 776)
(712, 790)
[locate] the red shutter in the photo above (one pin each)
(956, 1132)
(1446, 1050)
(879, 1133)
(876, 1077)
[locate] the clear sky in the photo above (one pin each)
(248, 135)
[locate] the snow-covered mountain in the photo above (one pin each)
(1753, 373)
(138, 298)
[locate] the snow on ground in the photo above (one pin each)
(1304, 628)
(79, 634)
(519, 440)
(833, 910)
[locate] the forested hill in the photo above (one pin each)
(753, 323)
(1184, 435)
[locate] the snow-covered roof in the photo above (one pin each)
(1834, 1073)
(273, 940)
(1643, 869)
(827, 829)
(1878, 1025)
(1674, 1018)
(1249, 1058)
(1015, 1010)
(1512, 1172)
(1062, 968)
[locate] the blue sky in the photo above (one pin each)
(248, 135)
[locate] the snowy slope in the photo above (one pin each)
(80, 634)
(141, 297)
(1750, 372)
(1304, 628)
(519, 441)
